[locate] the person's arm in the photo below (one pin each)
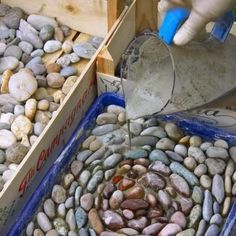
(202, 12)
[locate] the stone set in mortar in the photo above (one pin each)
(31, 91)
(167, 184)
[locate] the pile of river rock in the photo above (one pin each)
(31, 91)
(166, 184)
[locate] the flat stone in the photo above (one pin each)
(70, 219)
(86, 201)
(170, 229)
(158, 155)
(207, 209)
(151, 180)
(134, 204)
(68, 71)
(218, 190)
(55, 80)
(153, 229)
(95, 41)
(52, 46)
(197, 194)
(16, 153)
(161, 168)
(164, 199)
(43, 222)
(173, 131)
(58, 194)
(94, 181)
(213, 230)
(39, 21)
(185, 173)
(95, 221)
(158, 132)
(12, 18)
(187, 232)
(186, 205)
(216, 219)
(112, 161)
(61, 226)
(8, 63)
(22, 85)
(21, 126)
(195, 216)
(136, 154)
(144, 140)
(115, 109)
(49, 208)
(46, 32)
(201, 228)
(84, 178)
(165, 144)
(116, 199)
(200, 170)
(84, 50)
(221, 143)
(215, 166)
(37, 53)
(81, 217)
(179, 218)
(113, 220)
(181, 149)
(174, 156)
(197, 154)
(138, 224)
(217, 152)
(76, 167)
(83, 156)
(13, 51)
(7, 139)
(180, 185)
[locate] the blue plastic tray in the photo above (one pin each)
(54, 174)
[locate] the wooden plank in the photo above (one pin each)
(87, 16)
(124, 33)
(114, 9)
(146, 15)
(105, 62)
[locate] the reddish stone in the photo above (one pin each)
(117, 179)
(125, 184)
(134, 204)
(135, 193)
(186, 205)
(141, 212)
(113, 220)
(154, 213)
(151, 199)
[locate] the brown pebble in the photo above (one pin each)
(151, 199)
(135, 193)
(154, 213)
(5, 80)
(123, 169)
(171, 192)
(184, 140)
(141, 212)
(228, 185)
(95, 221)
(53, 68)
(58, 34)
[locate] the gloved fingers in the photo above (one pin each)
(195, 23)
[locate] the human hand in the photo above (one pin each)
(202, 12)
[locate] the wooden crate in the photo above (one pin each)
(85, 17)
(141, 15)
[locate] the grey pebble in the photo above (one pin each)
(104, 129)
(197, 154)
(218, 190)
(165, 144)
(73, 187)
(213, 230)
(216, 219)
(144, 140)
(95, 41)
(13, 51)
(78, 193)
(26, 47)
(83, 156)
(3, 168)
(65, 29)
(19, 110)
(136, 154)
(174, 156)
(4, 9)
(46, 33)
(83, 232)
(216, 207)
(69, 203)
(74, 58)
(207, 210)
(112, 161)
(4, 31)
(52, 46)
(201, 228)
(70, 219)
(84, 50)
(81, 217)
(38, 69)
(3, 47)
(42, 82)
(25, 58)
(12, 18)
(96, 155)
(2, 156)
(198, 194)
(68, 71)
(64, 60)
(158, 155)
(7, 108)
(49, 208)
(37, 53)
(4, 125)
(217, 152)
(94, 181)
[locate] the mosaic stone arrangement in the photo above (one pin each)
(166, 184)
(30, 90)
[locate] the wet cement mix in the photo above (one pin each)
(168, 183)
